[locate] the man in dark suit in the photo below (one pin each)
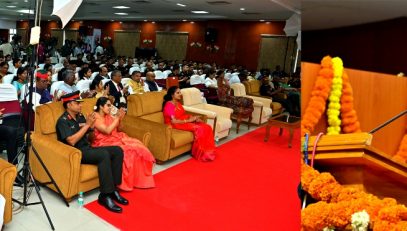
(117, 90)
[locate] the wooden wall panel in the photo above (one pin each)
(378, 97)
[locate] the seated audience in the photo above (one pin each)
(138, 161)
(210, 81)
(85, 73)
(20, 79)
(9, 134)
(3, 70)
(136, 84)
(72, 129)
(97, 86)
(150, 84)
(117, 90)
(203, 148)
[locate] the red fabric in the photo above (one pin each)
(203, 148)
(73, 97)
(137, 162)
(252, 185)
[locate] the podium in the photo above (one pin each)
(352, 160)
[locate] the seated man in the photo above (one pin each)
(117, 90)
(72, 128)
(150, 84)
(136, 84)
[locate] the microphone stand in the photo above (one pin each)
(387, 122)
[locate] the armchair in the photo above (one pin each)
(8, 173)
(145, 110)
(64, 161)
(262, 106)
(218, 117)
(252, 88)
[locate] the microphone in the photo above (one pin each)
(388, 122)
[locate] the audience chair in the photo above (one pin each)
(252, 88)
(134, 68)
(171, 81)
(262, 106)
(55, 86)
(144, 111)
(8, 78)
(159, 75)
(8, 173)
(218, 117)
(64, 161)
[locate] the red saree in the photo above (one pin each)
(203, 148)
(137, 162)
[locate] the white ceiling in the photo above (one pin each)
(325, 14)
(164, 10)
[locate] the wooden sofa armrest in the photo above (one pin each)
(8, 173)
(62, 161)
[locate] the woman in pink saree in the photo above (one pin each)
(138, 161)
(203, 148)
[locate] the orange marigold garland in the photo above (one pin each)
(401, 154)
(350, 123)
(319, 95)
(339, 203)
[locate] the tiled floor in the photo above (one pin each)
(33, 218)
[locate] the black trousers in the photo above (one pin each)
(109, 160)
(9, 134)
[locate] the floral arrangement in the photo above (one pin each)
(331, 84)
(401, 154)
(147, 41)
(340, 207)
(195, 44)
(107, 38)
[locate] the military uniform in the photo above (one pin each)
(109, 159)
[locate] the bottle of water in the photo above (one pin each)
(80, 200)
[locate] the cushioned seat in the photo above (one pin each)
(262, 106)
(64, 161)
(8, 173)
(217, 117)
(180, 138)
(252, 88)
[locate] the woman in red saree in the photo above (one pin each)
(203, 148)
(138, 161)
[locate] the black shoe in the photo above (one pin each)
(119, 199)
(108, 203)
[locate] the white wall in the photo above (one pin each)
(7, 24)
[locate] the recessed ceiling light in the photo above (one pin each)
(112, 20)
(267, 22)
(26, 11)
(242, 9)
(153, 22)
(11, 6)
(120, 22)
(145, 20)
(121, 7)
(261, 20)
(121, 13)
(192, 22)
(179, 4)
(200, 12)
(184, 20)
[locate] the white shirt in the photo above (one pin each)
(234, 79)
(211, 82)
(146, 89)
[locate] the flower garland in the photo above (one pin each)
(332, 83)
(337, 205)
(319, 95)
(334, 106)
(350, 123)
(401, 154)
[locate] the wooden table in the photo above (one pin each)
(283, 121)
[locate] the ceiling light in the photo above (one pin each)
(242, 9)
(121, 7)
(184, 20)
(261, 20)
(121, 13)
(200, 12)
(26, 11)
(120, 22)
(267, 22)
(192, 22)
(11, 6)
(112, 20)
(179, 4)
(145, 20)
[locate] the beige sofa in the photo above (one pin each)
(219, 118)
(8, 173)
(262, 106)
(252, 88)
(64, 161)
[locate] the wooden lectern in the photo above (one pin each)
(352, 160)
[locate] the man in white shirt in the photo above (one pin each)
(150, 84)
(234, 78)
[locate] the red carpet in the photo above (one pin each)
(252, 185)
